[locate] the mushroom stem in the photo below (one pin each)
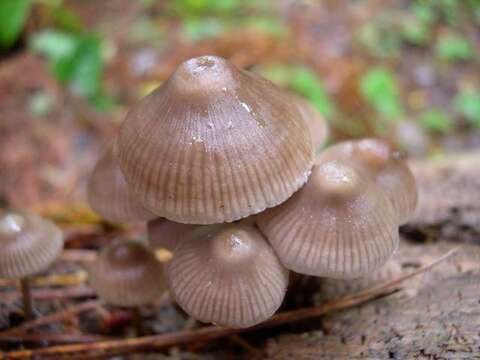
(137, 321)
(27, 298)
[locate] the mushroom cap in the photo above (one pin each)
(227, 274)
(315, 122)
(127, 273)
(166, 234)
(214, 144)
(109, 195)
(28, 244)
(379, 160)
(339, 225)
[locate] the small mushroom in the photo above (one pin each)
(214, 144)
(28, 244)
(227, 274)
(315, 122)
(387, 168)
(340, 224)
(165, 233)
(108, 194)
(127, 274)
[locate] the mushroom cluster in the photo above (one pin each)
(225, 161)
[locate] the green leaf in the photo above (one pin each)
(306, 83)
(66, 19)
(436, 120)
(87, 67)
(380, 38)
(468, 104)
(267, 25)
(379, 87)
(453, 47)
(415, 31)
(13, 14)
(301, 80)
(204, 28)
(76, 59)
(54, 44)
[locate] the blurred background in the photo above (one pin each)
(408, 71)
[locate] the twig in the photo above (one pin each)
(51, 294)
(53, 338)
(58, 316)
(214, 332)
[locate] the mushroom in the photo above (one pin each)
(214, 144)
(315, 122)
(227, 274)
(108, 194)
(127, 274)
(340, 224)
(387, 168)
(166, 234)
(28, 244)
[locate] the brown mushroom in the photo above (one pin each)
(28, 244)
(109, 195)
(127, 274)
(339, 225)
(214, 144)
(228, 275)
(387, 168)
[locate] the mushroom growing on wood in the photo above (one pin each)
(214, 144)
(227, 275)
(109, 195)
(127, 274)
(385, 166)
(28, 244)
(340, 224)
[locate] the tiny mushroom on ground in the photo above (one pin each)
(340, 224)
(214, 144)
(227, 274)
(28, 244)
(109, 195)
(127, 274)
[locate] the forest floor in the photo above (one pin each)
(45, 161)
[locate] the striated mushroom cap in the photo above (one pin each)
(214, 144)
(108, 194)
(378, 160)
(127, 273)
(227, 275)
(315, 122)
(166, 234)
(340, 224)
(28, 244)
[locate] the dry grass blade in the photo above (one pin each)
(53, 338)
(214, 332)
(58, 316)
